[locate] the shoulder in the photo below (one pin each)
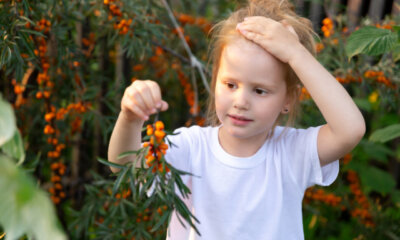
(289, 137)
(193, 133)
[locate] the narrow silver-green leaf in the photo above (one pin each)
(110, 164)
(120, 179)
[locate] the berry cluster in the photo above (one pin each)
(157, 148)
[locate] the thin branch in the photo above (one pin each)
(167, 49)
(193, 60)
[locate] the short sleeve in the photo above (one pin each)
(303, 160)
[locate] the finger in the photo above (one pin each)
(155, 93)
(147, 98)
(136, 97)
(130, 106)
(164, 106)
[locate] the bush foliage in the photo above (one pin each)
(64, 66)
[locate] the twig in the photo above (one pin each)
(167, 49)
(194, 62)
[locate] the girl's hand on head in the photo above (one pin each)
(278, 38)
(141, 99)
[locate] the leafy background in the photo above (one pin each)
(64, 66)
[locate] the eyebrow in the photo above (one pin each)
(258, 84)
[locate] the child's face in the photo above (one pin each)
(250, 90)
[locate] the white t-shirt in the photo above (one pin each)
(257, 197)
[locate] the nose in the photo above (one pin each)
(241, 100)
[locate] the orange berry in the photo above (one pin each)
(149, 160)
(49, 116)
(146, 144)
(163, 146)
(159, 134)
(54, 166)
(46, 94)
(159, 211)
(58, 186)
(18, 89)
(159, 125)
(62, 194)
(39, 95)
(55, 178)
(149, 131)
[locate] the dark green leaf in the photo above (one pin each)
(160, 222)
(386, 134)
(110, 164)
(124, 154)
(120, 179)
(371, 41)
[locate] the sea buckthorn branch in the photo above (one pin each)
(154, 184)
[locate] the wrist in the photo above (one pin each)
(130, 119)
(299, 55)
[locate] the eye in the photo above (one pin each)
(230, 85)
(260, 91)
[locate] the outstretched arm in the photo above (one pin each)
(345, 124)
(140, 99)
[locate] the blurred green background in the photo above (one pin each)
(65, 64)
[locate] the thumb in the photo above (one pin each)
(164, 105)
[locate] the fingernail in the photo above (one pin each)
(238, 25)
(158, 105)
(243, 31)
(146, 118)
(246, 18)
(153, 110)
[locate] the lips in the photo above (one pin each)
(239, 120)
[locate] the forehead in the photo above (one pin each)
(246, 60)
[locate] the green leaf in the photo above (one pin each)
(396, 52)
(160, 222)
(24, 208)
(7, 122)
(15, 148)
(120, 179)
(377, 180)
(110, 164)
(371, 41)
(386, 134)
(124, 154)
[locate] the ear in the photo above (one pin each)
(290, 100)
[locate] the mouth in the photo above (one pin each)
(239, 120)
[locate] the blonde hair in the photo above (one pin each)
(225, 32)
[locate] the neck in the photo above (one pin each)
(240, 147)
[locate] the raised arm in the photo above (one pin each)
(140, 100)
(345, 124)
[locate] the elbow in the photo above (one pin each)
(356, 134)
(360, 130)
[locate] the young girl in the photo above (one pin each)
(253, 173)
